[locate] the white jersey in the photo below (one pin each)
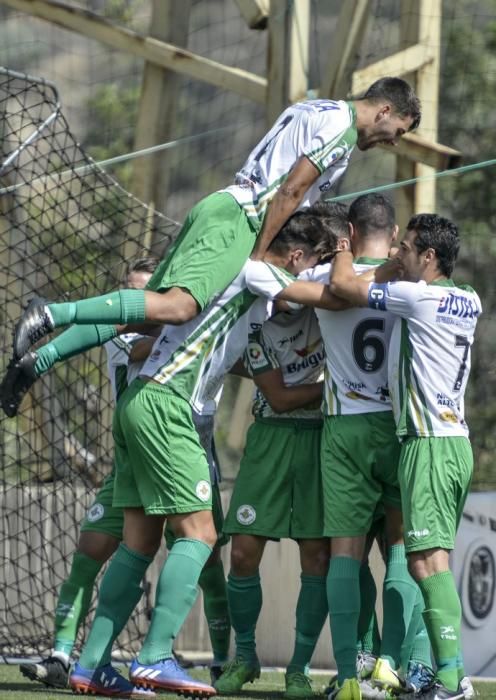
(291, 341)
(193, 359)
(356, 346)
(118, 350)
(322, 130)
(429, 358)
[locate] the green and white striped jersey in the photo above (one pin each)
(193, 359)
(356, 347)
(429, 357)
(322, 130)
(118, 350)
(291, 341)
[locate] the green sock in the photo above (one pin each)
(398, 598)
(71, 342)
(244, 594)
(459, 665)
(417, 647)
(212, 581)
(311, 613)
(369, 639)
(442, 616)
(343, 596)
(123, 306)
(74, 600)
(175, 595)
(120, 592)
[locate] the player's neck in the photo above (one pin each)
(378, 250)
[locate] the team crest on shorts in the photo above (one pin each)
(95, 512)
(246, 515)
(203, 490)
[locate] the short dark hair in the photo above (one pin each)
(142, 265)
(400, 94)
(372, 214)
(307, 231)
(441, 235)
(335, 214)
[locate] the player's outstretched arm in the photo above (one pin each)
(311, 294)
(284, 203)
(283, 398)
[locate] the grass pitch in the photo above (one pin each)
(13, 686)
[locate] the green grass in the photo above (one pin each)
(13, 686)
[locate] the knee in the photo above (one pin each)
(243, 562)
(315, 560)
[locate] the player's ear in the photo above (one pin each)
(396, 230)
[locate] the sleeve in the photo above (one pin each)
(397, 297)
(259, 356)
(266, 280)
(327, 129)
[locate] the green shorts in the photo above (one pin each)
(213, 245)
(102, 516)
(278, 490)
(435, 475)
(160, 463)
(218, 516)
(360, 457)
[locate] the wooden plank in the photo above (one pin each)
(289, 30)
(158, 52)
(299, 51)
(276, 60)
(254, 12)
(157, 105)
(345, 41)
(428, 92)
(420, 150)
(398, 64)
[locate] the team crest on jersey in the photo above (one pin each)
(95, 513)
(256, 355)
(203, 490)
(246, 515)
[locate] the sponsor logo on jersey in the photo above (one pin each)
(203, 490)
(443, 400)
(164, 340)
(310, 361)
(96, 512)
(246, 515)
(457, 310)
(418, 533)
(289, 339)
(257, 358)
(326, 186)
(448, 417)
(154, 356)
(255, 326)
(309, 349)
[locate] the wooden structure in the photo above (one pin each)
(287, 23)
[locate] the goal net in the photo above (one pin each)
(67, 229)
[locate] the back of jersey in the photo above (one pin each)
(356, 345)
(322, 130)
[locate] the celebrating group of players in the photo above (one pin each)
(379, 449)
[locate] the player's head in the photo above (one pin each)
(372, 216)
(302, 242)
(429, 248)
(336, 218)
(139, 271)
(387, 110)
